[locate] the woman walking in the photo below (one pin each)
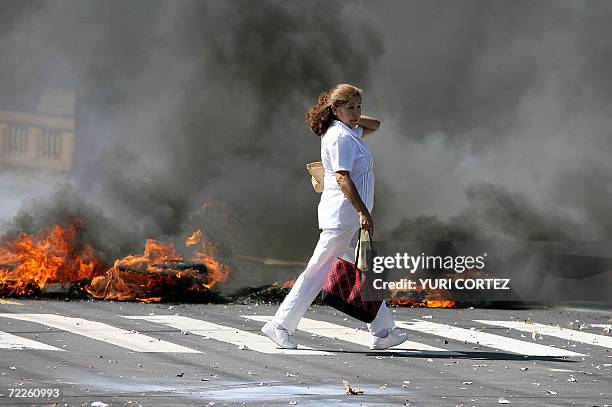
(345, 207)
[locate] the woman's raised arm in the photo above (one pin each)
(369, 124)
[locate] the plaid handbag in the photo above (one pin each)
(344, 286)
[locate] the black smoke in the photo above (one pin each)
(183, 106)
(511, 94)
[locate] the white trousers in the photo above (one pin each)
(332, 243)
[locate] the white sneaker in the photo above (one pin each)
(280, 336)
(393, 338)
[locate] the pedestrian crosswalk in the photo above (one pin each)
(131, 340)
(10, 341)
(352, 335)
(247, 336)
(569, 334)
(485, 339)
(234, 336)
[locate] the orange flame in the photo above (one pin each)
(410, 302)
(143, 277)
(439, 303)
(207, 254)
(194, 238)
(422, 298)
(53, 255)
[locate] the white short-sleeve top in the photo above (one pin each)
(343, 149)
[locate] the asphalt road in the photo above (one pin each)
(132, 354)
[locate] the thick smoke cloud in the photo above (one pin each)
(181, 104)
(512, 94)
(190, 114)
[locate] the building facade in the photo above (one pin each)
(42, 140)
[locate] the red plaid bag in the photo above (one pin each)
(343, 288)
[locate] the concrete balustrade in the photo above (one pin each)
(38, 141)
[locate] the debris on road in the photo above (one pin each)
(266, 294)
(180, 374)
(552, 392)
(98, 404)
(350, 390)
(503, 401)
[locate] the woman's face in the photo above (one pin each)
(350, 112)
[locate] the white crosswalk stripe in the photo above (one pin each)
(330, 330)
(260, 343)
(10, 341)
(103, 332)
(563, 333)
(485, 339)
(238, 337)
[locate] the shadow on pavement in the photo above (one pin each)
(475, 355)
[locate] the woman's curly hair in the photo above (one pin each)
(320, 116)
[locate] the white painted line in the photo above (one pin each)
(563, 333)
(103, 332)
(485, 339)
(238, 337)
(329, 330)
(10, 341)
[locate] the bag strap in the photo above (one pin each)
(359, 244)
